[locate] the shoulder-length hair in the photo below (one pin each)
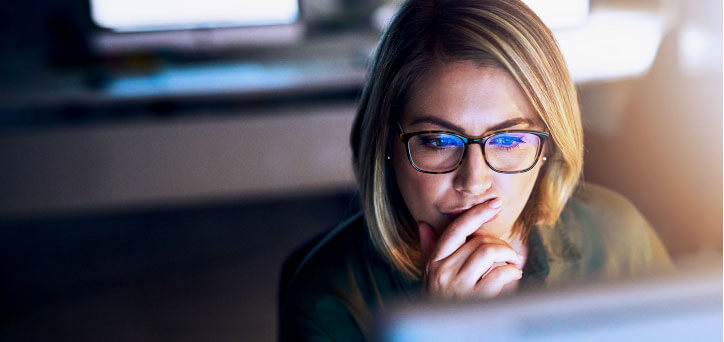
(424, 34)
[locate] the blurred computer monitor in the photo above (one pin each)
(685, 307)
(194, 25)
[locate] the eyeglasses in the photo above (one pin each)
(513, 151)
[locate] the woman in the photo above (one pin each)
(468, 152)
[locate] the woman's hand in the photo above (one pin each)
(462, 265)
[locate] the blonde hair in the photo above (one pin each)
(424, 34)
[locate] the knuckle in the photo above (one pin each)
(443, 279)
(482, 252)
(487, 249)
(504, 272)
(482, 248)
(480, 239)
(459, 283)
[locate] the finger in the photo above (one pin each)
(493, 282)
(454, 236)
(485, 257)
(459, 257)
(519, 262)
(428, 239)
(490, 239)
(446, 272)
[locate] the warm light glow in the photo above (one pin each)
(700, 51)
(560, 13)
(611, 44)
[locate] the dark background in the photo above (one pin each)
(167, 215)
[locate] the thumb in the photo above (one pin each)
(428, 239)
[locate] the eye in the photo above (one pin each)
(441, 141)
(506, 141)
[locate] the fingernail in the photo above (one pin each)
(495, 203)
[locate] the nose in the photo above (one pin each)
(473, 177)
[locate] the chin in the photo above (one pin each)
(498, 227)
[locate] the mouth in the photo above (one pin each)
(453, 214)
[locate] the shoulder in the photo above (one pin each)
(344, 247)
(601, 211)
(330, 257)
(334, 288)
(612, 236)
(600, 201)
(594, 207)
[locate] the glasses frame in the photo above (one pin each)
(405, 138)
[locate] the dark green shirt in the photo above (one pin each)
(343, 281)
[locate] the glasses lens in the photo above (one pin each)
(512, 152)
(436, 152)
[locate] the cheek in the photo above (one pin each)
(514, 189)
(522, 185)
(419, 190)
(517, 189)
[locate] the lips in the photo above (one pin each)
(453, 214)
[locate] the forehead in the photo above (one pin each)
(472, 97)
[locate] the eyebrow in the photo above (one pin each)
(453, 127)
